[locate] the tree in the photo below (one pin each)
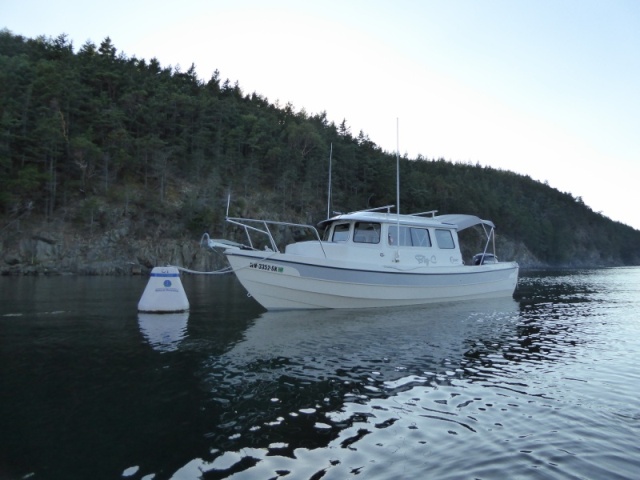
(99, 126)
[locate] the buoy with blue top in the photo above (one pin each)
(164, 292)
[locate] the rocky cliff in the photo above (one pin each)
(40, 248)
(47, 250)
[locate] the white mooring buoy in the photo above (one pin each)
(164, 292)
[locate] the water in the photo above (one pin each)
(543, 386)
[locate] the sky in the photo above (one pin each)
(544, 88)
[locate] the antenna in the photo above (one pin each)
(397, 257)
(329, 192)
(398, 168)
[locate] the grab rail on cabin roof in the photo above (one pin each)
(386, 207)
(242, 222)
(430, 212)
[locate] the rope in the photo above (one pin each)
(198, 272)
(222, 271)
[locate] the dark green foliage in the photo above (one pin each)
(96, 132)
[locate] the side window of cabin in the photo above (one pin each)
(366, 232)
(444, 239)
(409, 236)
(340, 232)
(405, 237)
(420, 237)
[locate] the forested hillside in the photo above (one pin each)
(91, 140)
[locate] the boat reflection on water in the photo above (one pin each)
(164, 332)
(301, 390)
(397, 337)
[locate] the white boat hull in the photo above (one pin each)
(282, 282)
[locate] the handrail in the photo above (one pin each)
(430, 212)
(386, 207)
(242, 222)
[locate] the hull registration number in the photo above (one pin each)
(266, 267)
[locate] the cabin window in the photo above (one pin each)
(420, 237)
(340, 232)
(366, 232)
(405, 236)
(409, 237)
(444, 239)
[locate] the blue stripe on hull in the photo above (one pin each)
(418, 277)
(283, 284)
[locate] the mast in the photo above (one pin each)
(329, 192)
(398, 170)
(397, 257)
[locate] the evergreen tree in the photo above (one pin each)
(92, 130)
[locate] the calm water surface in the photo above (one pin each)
(542, 386)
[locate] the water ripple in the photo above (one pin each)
(541, 387)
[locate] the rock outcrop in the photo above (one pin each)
(44, 249)
(36, 251)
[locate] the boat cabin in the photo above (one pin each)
(382, 238)
(423, 237)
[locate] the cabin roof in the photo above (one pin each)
(462, 221)
(457, 221)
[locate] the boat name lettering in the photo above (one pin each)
(422, 259)
(264, 266)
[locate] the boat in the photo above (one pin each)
(365, 259)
